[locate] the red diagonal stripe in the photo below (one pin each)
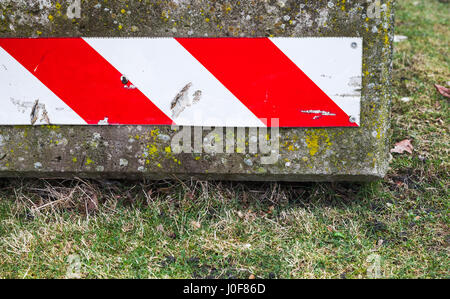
(262, 77)
(84, 80)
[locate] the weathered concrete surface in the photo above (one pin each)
(330, 154)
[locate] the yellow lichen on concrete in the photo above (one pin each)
(314, 138)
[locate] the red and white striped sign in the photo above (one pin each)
(236, 82)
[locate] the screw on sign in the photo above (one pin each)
(233, 82)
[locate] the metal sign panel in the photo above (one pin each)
(235, 82)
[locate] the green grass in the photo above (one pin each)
(233, 230)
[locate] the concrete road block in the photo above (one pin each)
(342, 153)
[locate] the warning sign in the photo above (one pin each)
(236, 82)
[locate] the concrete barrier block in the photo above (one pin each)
(285, 154)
